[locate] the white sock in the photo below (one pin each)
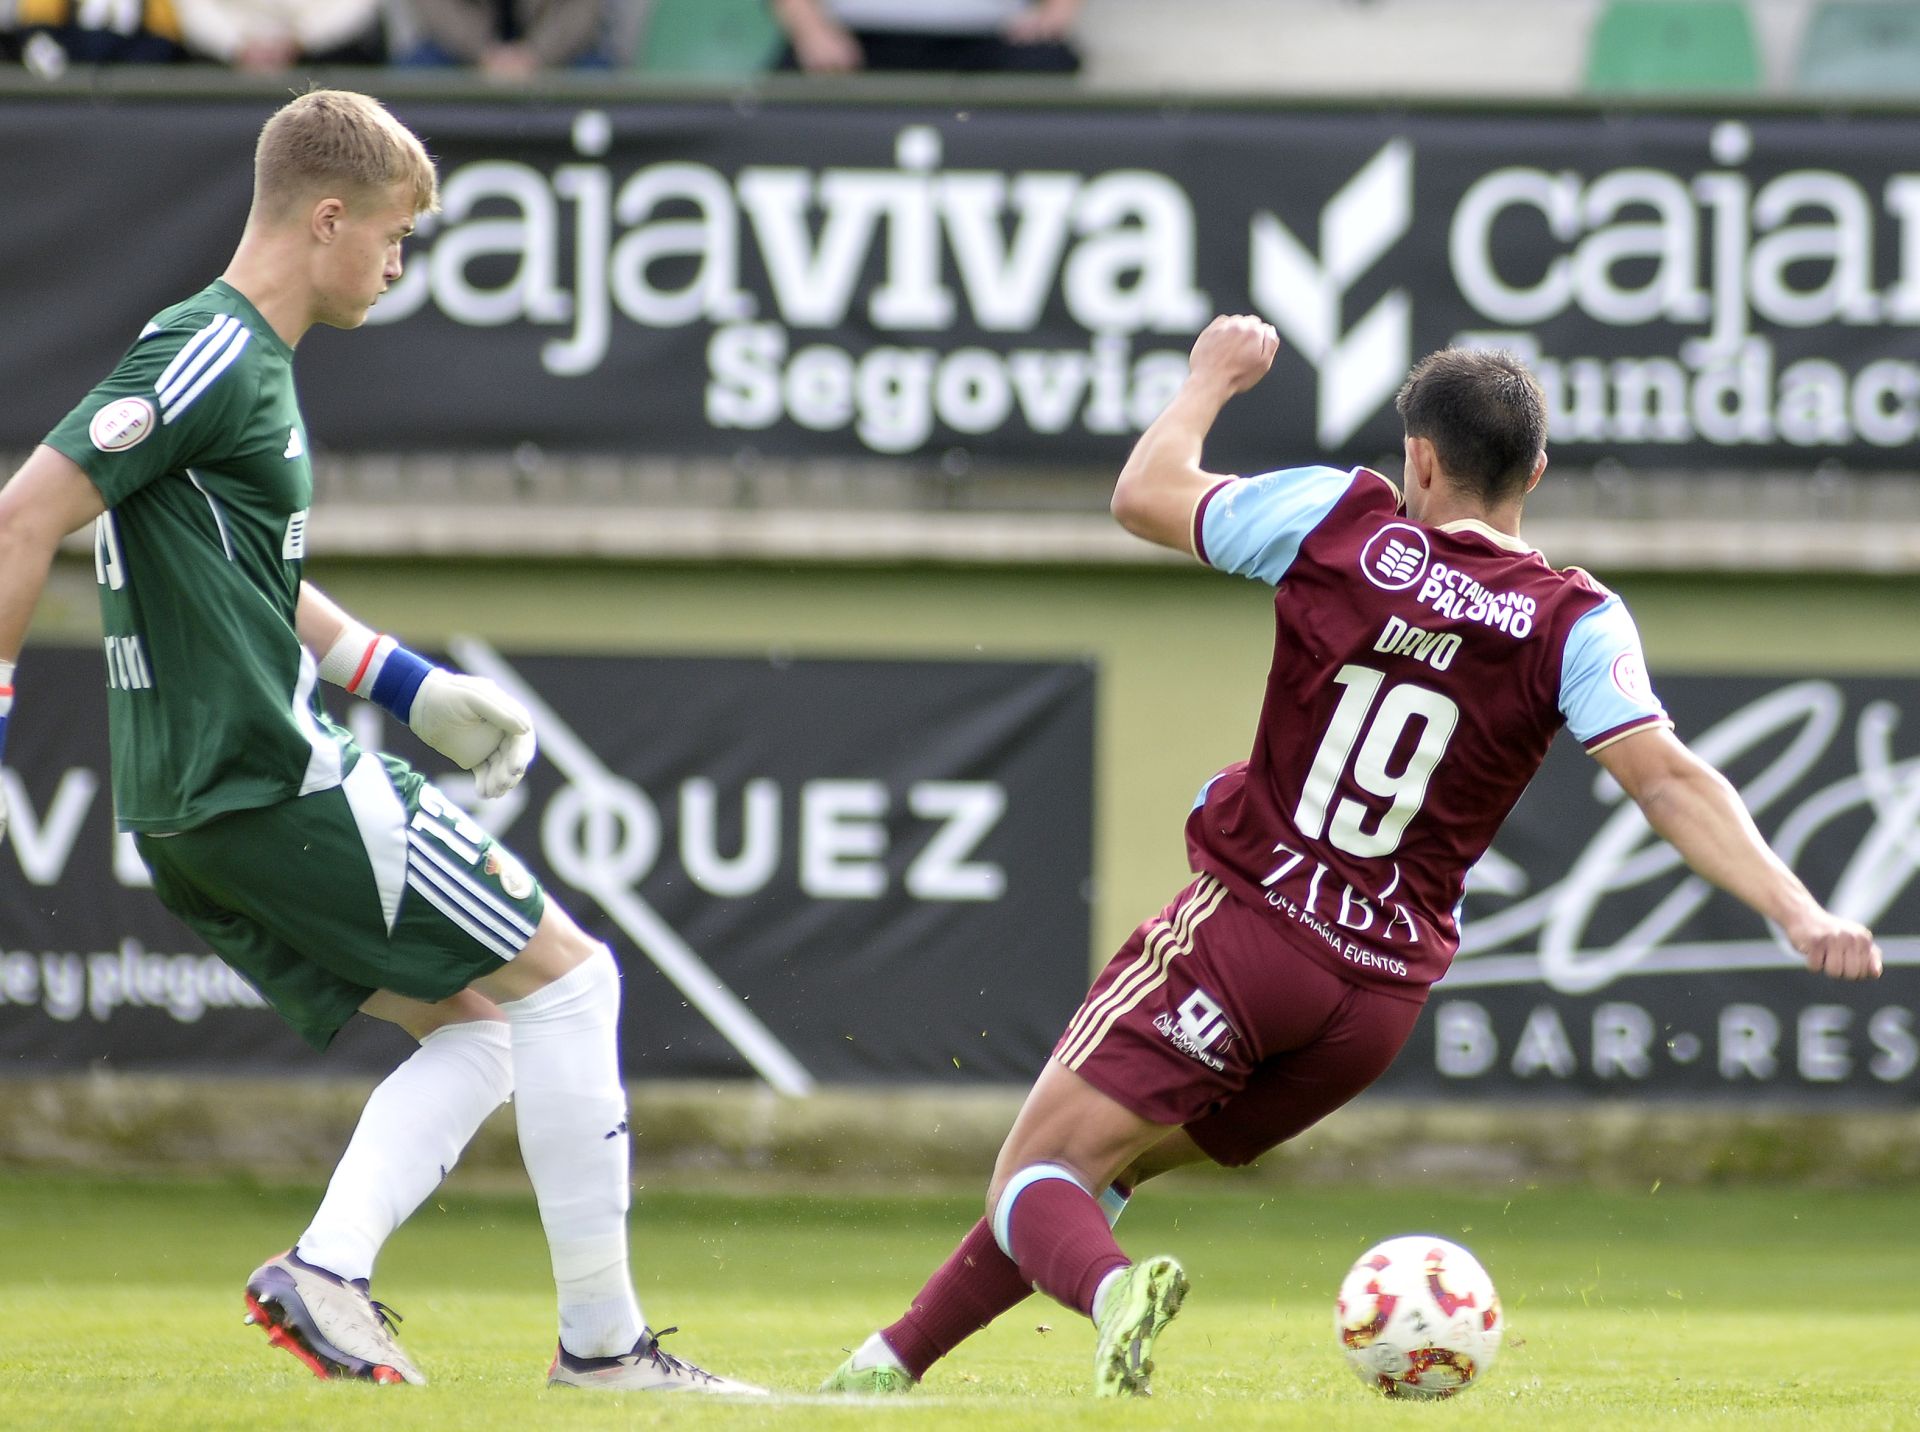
(412, 1131)
(1100, 1293)
(572, 1113)
(875, 1352)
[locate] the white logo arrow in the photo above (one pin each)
(1301, 295)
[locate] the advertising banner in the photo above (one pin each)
(810, 871)
(1596, 964)
(1732, 290)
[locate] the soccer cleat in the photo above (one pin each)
(648, 1368)
(1138, 1308)
(876, 1380)
(330, 1324)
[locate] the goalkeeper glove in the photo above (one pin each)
(468, 719)
(477, 726)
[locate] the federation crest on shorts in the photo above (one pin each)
(511, 874)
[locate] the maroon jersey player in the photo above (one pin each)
(1424, 656)
(1419, 673)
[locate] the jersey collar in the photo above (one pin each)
(1492, 534)
(254, 318)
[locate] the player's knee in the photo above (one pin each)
(486, 1048)
(1011, 1170)
(997, 1190)
(1009, 1183)
(599, 958)
(594, 972)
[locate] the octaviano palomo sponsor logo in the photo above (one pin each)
(1302, 294)
(1395, 556)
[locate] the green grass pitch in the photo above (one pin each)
(1730, 1308)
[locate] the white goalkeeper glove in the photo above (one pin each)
(468, 719)
(475, 724)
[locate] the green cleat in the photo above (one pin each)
(1137, 1311)
(877, 1380)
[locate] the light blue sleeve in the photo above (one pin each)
(1254, 526)
(1604, 690)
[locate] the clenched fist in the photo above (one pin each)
(1237, 349)
(1839, 949)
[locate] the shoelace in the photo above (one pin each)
(667, 1361)
(388, 1317)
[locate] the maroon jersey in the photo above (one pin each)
(1419, 674)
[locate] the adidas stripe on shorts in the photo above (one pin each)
(1210, 1018)
(378, 883)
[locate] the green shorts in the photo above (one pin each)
(380, 883)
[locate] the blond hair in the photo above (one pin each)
(336, 139)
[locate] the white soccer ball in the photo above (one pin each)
(1418, 1317)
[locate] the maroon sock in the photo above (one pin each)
(1061, 1241)
(970, 1290)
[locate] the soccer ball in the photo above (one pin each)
(1418, 1317)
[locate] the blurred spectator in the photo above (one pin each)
(974, 36)
(509, 38)
(267, 36)
(48, 35)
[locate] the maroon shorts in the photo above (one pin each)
(1211, 1019)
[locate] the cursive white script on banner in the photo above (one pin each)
(1625, 855)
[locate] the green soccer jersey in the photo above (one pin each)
(197, 446)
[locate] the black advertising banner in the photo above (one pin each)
(858, 870)
(1595, 964)
(1730, 290)
(813, 871)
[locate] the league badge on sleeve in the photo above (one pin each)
(121, 424)
(1630, 676)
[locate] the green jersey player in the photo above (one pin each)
(335, 879)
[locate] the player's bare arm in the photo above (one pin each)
(318, 619)
(45, 500)
(1163, 480)
(1697, 811)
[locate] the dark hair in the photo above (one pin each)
(1484, 414)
